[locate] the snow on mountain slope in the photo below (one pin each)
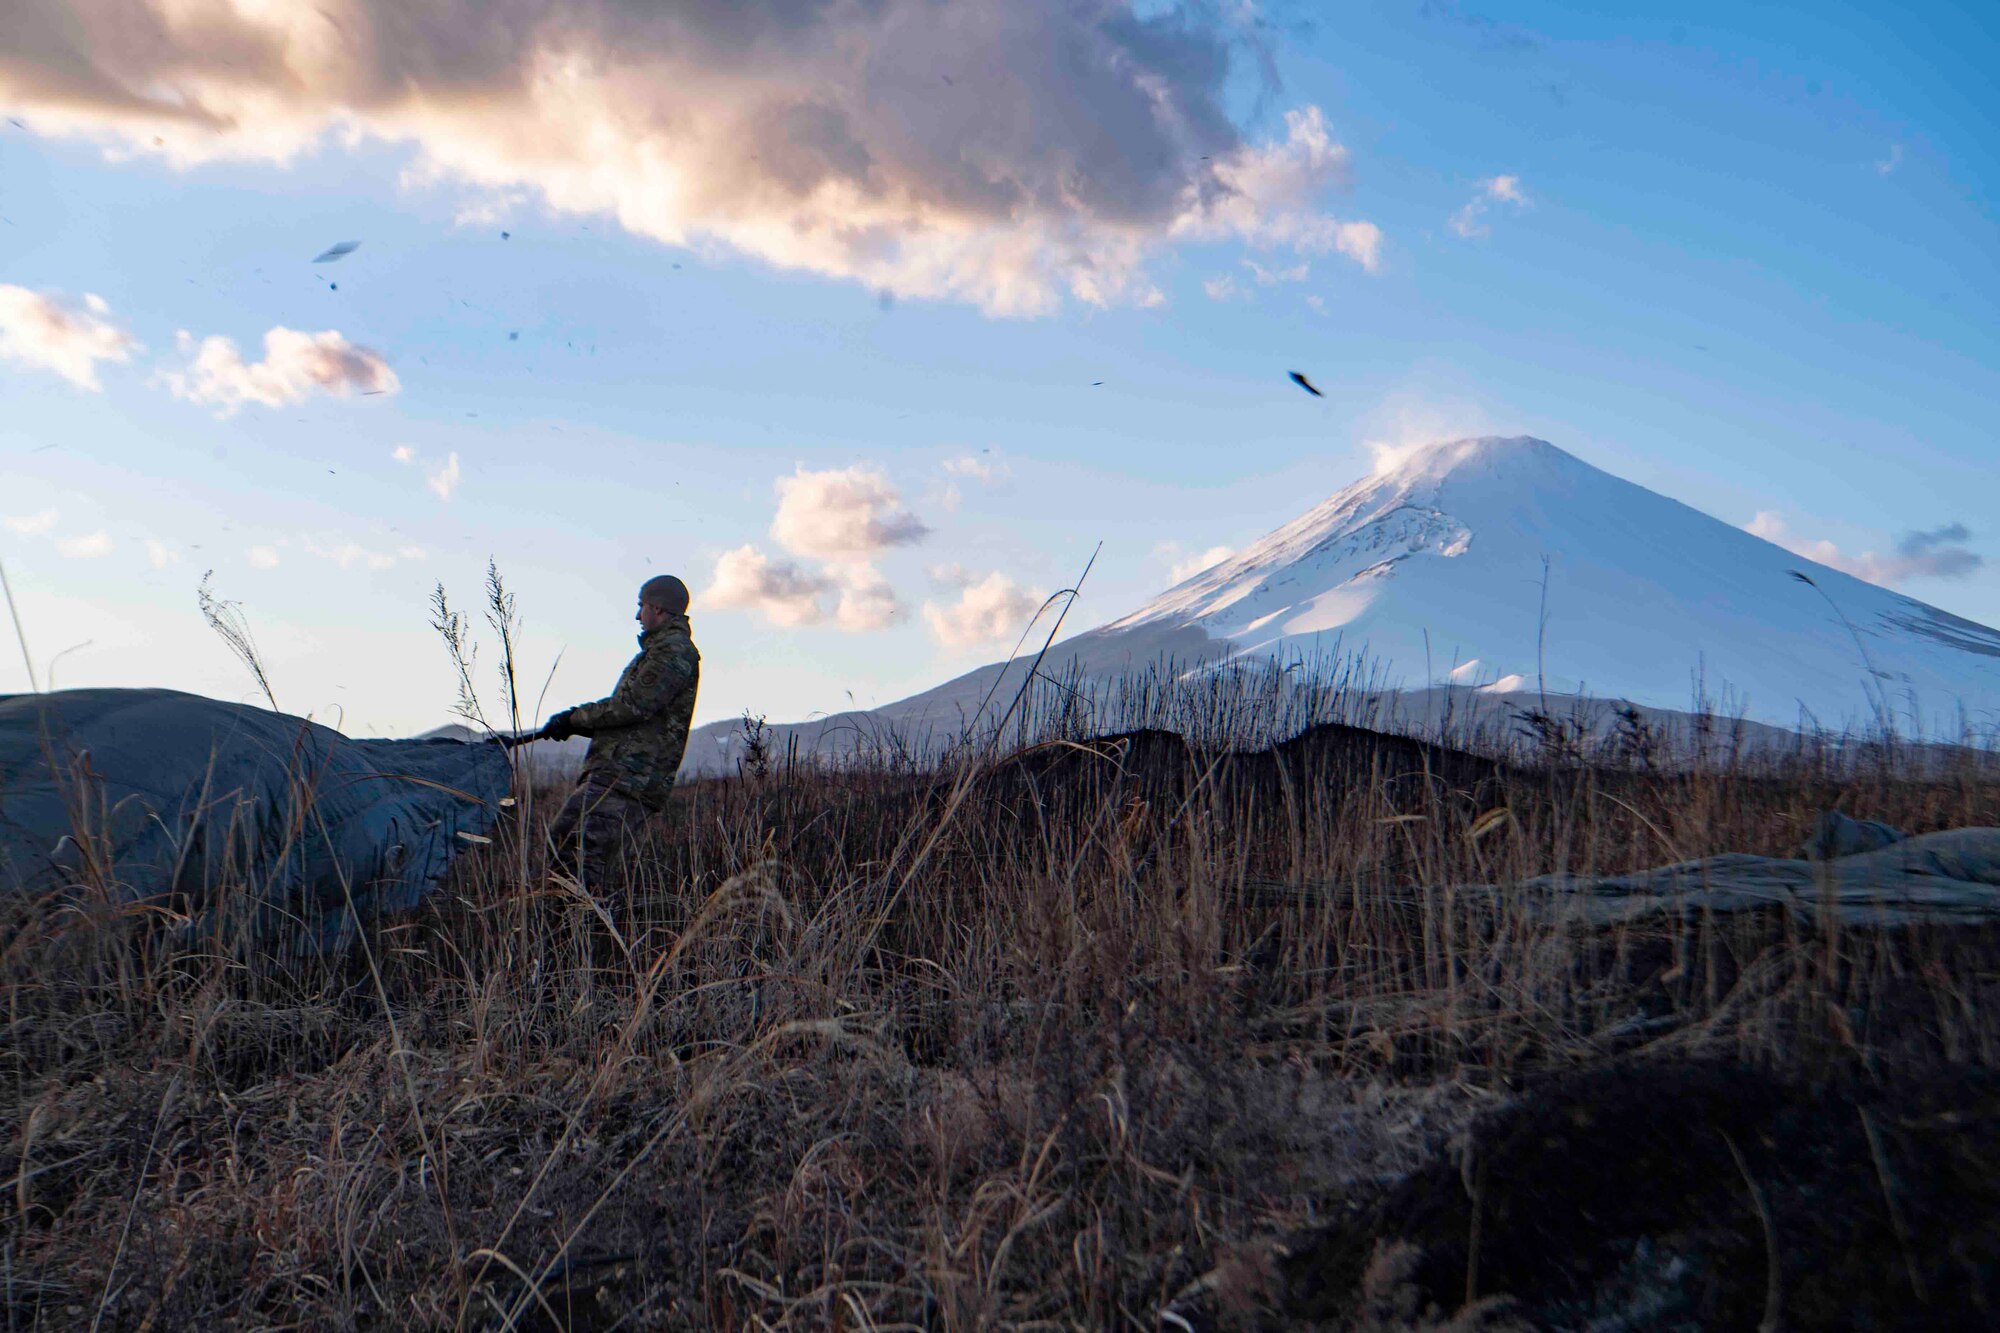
(1509, 566)
(1437, 569)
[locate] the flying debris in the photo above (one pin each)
(1095, 383)
(1304, 383)
(335, 251)
(505, 234)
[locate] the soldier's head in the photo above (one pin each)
(661, 596)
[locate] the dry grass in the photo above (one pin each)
(1046, 1043)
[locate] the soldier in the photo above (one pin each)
(638, 735)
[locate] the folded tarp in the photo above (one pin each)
(231, 814)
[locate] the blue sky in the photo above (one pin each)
(1746, 259)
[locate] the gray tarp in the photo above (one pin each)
(158, 795)
(1950, 876)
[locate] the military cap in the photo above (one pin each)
(666, 592)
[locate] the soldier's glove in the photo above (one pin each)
(558, 728)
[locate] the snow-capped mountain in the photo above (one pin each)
(1509, 566)
(1437, 567)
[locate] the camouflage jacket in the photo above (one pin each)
(639, 734)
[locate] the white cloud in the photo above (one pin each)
(32, 525)
(160, 553)
(1466, 221)
(1271, 277)
(348, 555)
(1361, 242)
(1470, 221)
(443, 481)
(844, 515)
(1223, 287)
(87, 548)
(1891, 162)
(985, 470)
(1183, 564)
(1268, 191)
(1010, 153)
(263, 557)
(1938, 553)
(1404, 426)
(953, 576)
(488, 209)
(411, 553)
(988, 469)
(1317, 302)
(295, 366)
(353, 555)
(748, 580)
(992, 609)
(867, 602)
(42, 331)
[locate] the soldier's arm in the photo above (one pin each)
(652, 687)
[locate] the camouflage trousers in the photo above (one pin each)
(594, 833)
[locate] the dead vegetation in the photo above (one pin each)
(1118, 1034)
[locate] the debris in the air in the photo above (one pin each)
(513, 337)
(333, 286)
(335, 251)
(1095, 383)
(505, 234)
(15, 123)
(1304, 383)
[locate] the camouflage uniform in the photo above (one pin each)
(638, 736)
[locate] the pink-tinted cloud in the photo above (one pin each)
(845, 514)
(748, 580)
(43, 331)
(295, 367)
(990, 610)
(1010, 153)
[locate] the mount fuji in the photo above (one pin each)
(1507, 567)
